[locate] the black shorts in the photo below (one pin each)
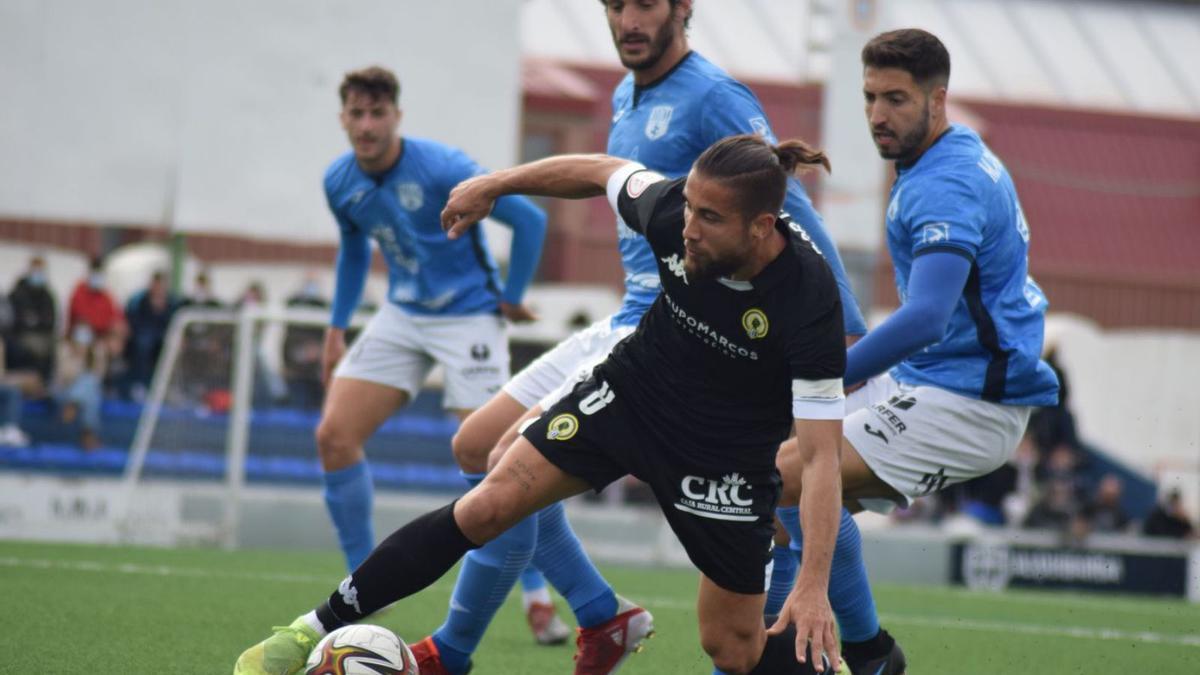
(722, 509)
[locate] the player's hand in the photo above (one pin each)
(332, 352)
(809, 610)
(517, 313)
(470, 201)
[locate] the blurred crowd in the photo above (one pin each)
(99, 349)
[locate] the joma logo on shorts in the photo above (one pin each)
(718, 499)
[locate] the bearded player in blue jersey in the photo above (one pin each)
(672, 105)
(943, 389)
(445, 303)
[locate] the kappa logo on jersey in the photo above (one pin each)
(755, 323)
(676, 266)
(659, 122)
(410, 195)
(717, 499)
(480, 352)
(641, 180)
(935, 232)
(349, 593)
(562, 428)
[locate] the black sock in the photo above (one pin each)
(861, 652)
(779, 657)
(410, 559)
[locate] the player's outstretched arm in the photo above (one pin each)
(808, 606)
(564, 176)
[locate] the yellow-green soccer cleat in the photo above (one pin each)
(284, 653)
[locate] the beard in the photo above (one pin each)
(707, 268)
(657, 46)
(908, 144)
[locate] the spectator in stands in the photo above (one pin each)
(82, 363)
(1054, 426)
(207, 351)
(202, 295)
(983, 497)
(269, 385)
(302, 348)
(148, 314)
(93, 305)
(1104, 513)
(1168, 519)
(1056, 508)
(35, 318)
(11, 400)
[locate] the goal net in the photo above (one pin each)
(234, 403)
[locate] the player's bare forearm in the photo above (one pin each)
(564, 176)
(821, 497)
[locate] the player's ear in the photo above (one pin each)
(762, 225)
(937, 99)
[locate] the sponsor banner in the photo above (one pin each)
(996, 566)
(87, 511)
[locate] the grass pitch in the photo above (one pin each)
(93, 609)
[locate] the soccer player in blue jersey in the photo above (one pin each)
(672, 105)
(944, 387)
(445, 304)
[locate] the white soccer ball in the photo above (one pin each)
(361, 650)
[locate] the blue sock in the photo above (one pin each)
(560, 557)
(849, 590)
(348, 496)
(783, 577)
(532, 579)
(486, 577)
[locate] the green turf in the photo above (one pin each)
(89, 609)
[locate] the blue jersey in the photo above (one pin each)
(428, 273)
(665, 126)
(958, 198)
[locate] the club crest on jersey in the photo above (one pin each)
(934, 233)
(659, 122)
(641, 180)
(755, 323)
(410, 195)
(562, 428)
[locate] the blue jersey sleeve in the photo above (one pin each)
(934, 288)
(943, 213)
(353, 261)
(526, 219)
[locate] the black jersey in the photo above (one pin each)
(717, 363)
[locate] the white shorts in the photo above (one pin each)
(554, 373)
(922, 439)
(398, 350)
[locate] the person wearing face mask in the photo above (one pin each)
(82, 362)
(34, 322)
(93, 305)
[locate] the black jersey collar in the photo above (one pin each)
(639, 88)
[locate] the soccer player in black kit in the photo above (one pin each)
(744, 345)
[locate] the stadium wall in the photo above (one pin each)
(221, 116)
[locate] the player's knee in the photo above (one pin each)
(470, 449)
(732, 651)
(336, 446)
(483, 514)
